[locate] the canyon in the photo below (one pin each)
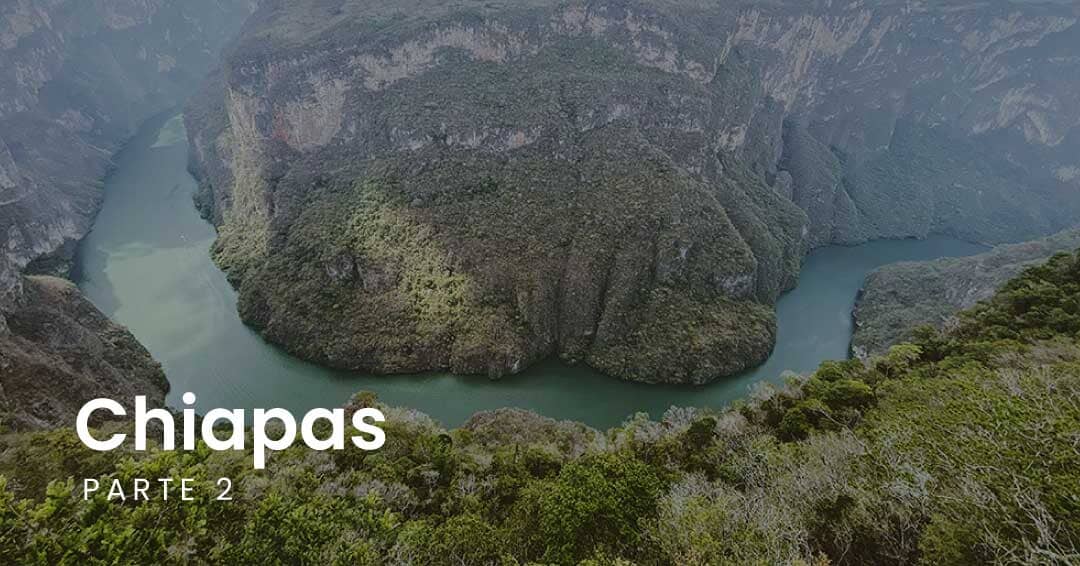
(414, 186)
(147, 266)
(76, 80)
(473, 188)
(550, 193)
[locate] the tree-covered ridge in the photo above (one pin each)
(962, 447)
(898, 298)
(510, 134)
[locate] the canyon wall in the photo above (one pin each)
(76, 79)
(409, 185)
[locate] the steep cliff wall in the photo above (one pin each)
(58, 352)
(906, 119)
(76, 79)
(623, 183)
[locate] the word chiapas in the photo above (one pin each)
(958, 448)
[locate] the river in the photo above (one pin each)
(146, 265)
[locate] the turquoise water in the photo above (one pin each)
(146, 264)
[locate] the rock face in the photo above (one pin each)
(898, 298)
(76, 79)
(57, 352)
(412, 185)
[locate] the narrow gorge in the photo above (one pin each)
(77, 79)
(568, 282)
(147, 265)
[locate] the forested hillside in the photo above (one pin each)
(898, 298)
(957, 448)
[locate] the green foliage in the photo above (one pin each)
(592, 505)
(325, 525)
(1044, 302)
(957, 449)
(466, 539)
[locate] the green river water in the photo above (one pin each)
(146, 265)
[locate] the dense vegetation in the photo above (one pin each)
(959, 448)
(634, 267)
(898, 298)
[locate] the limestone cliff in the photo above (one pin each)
(415, 185)
(898, 298)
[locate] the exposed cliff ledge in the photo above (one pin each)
(898, 298)
(624, 183)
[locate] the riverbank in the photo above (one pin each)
(147, 265)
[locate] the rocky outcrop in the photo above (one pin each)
(57, 352)
(898, 298)
(402, 187)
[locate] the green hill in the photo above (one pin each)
(957, 448)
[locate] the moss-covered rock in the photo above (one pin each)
(489, 263)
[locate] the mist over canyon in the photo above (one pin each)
(76, 80)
